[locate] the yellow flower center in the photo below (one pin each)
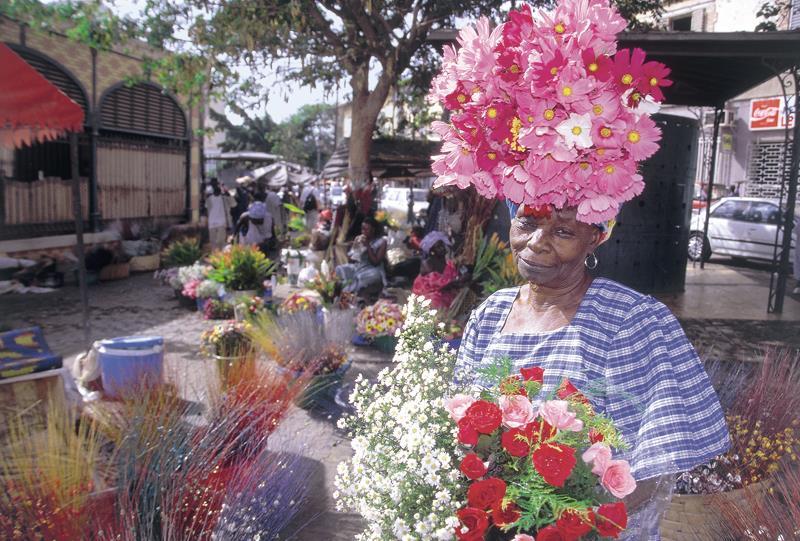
(636, 96)
(492, 155)
(566, 91)
(576, 130)
(627, 79)
(476, 90)
(593, 67)
(514, 68)
(653, 81)
(559, 28)
(601, 151)
(465, 151)
(553, 70)
(549, 114)
(609, 169)
(461, 98)
(530, 118)
(605, 131)
(597, 109)
(584, 165)
(491, 112)
(634, 137)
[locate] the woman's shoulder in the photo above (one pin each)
(615, 305)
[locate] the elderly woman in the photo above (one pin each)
(625, 351)
(366, 276)
(439, 278)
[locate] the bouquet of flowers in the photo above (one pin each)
(169, 277)
(386, 219)
(547, 470)
(252, 306)
(545, 111)
(229, 339)
(384, 318)
(218, 309)
(189, 278)
(208, 289)
(298, 302)
(403, 477)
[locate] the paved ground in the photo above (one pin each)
(723, 312)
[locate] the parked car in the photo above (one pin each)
(337, 195)
(740, 227)
(395, 202)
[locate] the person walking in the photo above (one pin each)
(218, 206)
(275, 208)
(309, 202)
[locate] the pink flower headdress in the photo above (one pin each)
(546, 111)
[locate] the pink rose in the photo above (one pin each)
(557, 414)
(517, 411)
(599, 455)
(617, 478)
(457, 406)
(523, 537)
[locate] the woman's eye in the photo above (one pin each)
(565, 232)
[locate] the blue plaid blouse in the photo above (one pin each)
(628, 354)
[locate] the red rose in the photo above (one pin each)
(573, 525)
(549, 533)
(595, 436)
(487, 493)
(534, 373)
(611, 519)
(484, 416)
(505, 515)
(567, 391)
(474, 523)
(472, 466)
(466, 434)
(541, 431)
(515, 441)
(554, 462)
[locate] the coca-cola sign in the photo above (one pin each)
(769, 113)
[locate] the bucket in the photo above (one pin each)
(129, 362)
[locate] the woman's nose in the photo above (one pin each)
(537, 242)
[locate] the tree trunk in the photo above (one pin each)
(365, 110)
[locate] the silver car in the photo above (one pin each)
(740, 227)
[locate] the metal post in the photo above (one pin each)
(775, 304)
(711, 172)
(78, 214)
(94, 211)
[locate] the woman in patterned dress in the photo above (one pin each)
(625, 351)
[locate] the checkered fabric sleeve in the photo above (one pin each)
(664, 399)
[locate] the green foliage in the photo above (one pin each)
(252, 134)
(181, 253)
(307, 137)
(241, 268)
(770, 13)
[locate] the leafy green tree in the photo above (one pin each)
(307, 137)
(253, 134)
(771, 13)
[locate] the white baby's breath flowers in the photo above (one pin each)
(403, 477)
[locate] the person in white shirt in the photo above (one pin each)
(255, 227)
(275, 208)
(218, 207)
(309, 202)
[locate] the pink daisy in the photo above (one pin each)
(641, 138)
(654, 78)
(628, 68)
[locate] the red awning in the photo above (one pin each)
(31, 107)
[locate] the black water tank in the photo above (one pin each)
(647, 250)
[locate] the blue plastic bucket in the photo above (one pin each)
(129, 362)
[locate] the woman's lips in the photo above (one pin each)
(534, 266)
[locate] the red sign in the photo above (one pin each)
(769, 114)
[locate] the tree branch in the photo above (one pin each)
(324, 26)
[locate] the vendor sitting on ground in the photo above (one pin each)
(438, 278)
(321, 235)
(255, 228)
(365, 277)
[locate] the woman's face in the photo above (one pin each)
(366, 230)
(550, 249)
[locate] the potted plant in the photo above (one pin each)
(187, 281)
(218, 309)
(182, 253)
(229, 344)
(242, 270)
(302, 347)
(379, 323)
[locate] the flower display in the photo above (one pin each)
(298, 302)
(217, 309)
(384, 318)
(545, 111)
(228, 339)
(523, 466)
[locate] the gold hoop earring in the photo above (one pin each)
(591, 261)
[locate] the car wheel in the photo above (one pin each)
(699, 250)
